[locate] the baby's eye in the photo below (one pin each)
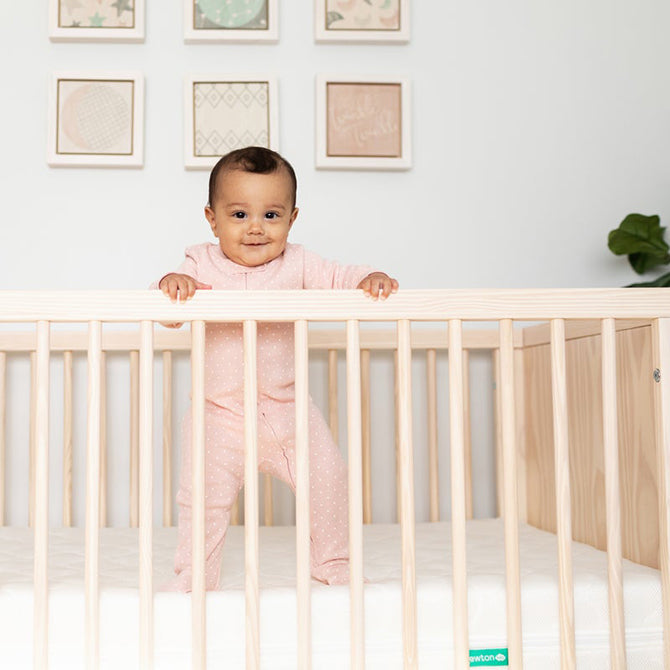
(271, 215)
(239, 215)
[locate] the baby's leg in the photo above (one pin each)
(224, 467)
(328, 486)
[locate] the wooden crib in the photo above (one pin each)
(582, 450)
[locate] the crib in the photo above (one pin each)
(573, 572)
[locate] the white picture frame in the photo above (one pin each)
(363, 122)
(112, 20)
(362, 21)
(96, 119)
(223, 112)
(222, 21)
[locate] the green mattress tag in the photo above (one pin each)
(487, 658)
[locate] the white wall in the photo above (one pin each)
(537, 126)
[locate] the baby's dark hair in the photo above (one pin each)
(258, 160)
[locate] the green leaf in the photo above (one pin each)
(663, 280)
(641, 237)
(331, 17)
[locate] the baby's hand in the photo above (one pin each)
(180, 287)
(378, 285)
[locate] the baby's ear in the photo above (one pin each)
(211, 219)
(294, 216)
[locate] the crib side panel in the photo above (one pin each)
(637, 443)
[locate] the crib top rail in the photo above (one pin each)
(415, 305)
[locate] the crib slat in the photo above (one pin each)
(267, 500)
(302, 495)
(251, 561)
(31, 446)
(333, 414)
(433, 473)
(3, 433)
(460, 616)
(467, 435)
(661, 345)
(41, 510)
(146, 494)
(563, 520)
(497, 409)
(91, 560)
(366, 411)
(355, 458)
(612, 497)
(406, 494)
(167, 438)
(134, 437)
(103, 439)
(198, 612)
(511, 504)
(67, 438)
(396, 430)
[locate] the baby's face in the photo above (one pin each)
(252, 215)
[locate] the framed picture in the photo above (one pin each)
(223, 113)
(230, 21)
(363, 123)
(93, 20)
(372, 21)
(96, 119)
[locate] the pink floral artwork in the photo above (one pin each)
(382, 15)
(364, 119)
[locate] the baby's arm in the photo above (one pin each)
(179, 287)
(378, 285)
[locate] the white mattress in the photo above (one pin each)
(330, 605)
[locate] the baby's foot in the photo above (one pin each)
(333, 572)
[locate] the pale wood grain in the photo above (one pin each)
(612, 497)
(563, 516)
(198, 610)
(31, 438)
(3, 433)
(366, 417)
(103, 439)
(302, 496)
(355, 428)
(511, 504)
(251, 547)
(333, 414)
(520, 405)
(431, 408)
(67, 438)
(467, 435)
(41, 510)
(459, 561)
(416, 305)
(92, 558)
(268, 511)
(167, 438)
(497, 414)
(661, 358)
(146, 386)
(134, 438)
(406, 495)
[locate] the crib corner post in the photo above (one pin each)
(661, 375)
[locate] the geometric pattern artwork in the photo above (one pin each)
(96, 14)
(230, 14)
(364, 119)
(363, 14)
(95, 117)
(230, 115)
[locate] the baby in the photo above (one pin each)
(252, 195)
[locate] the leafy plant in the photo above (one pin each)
(641, 239)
